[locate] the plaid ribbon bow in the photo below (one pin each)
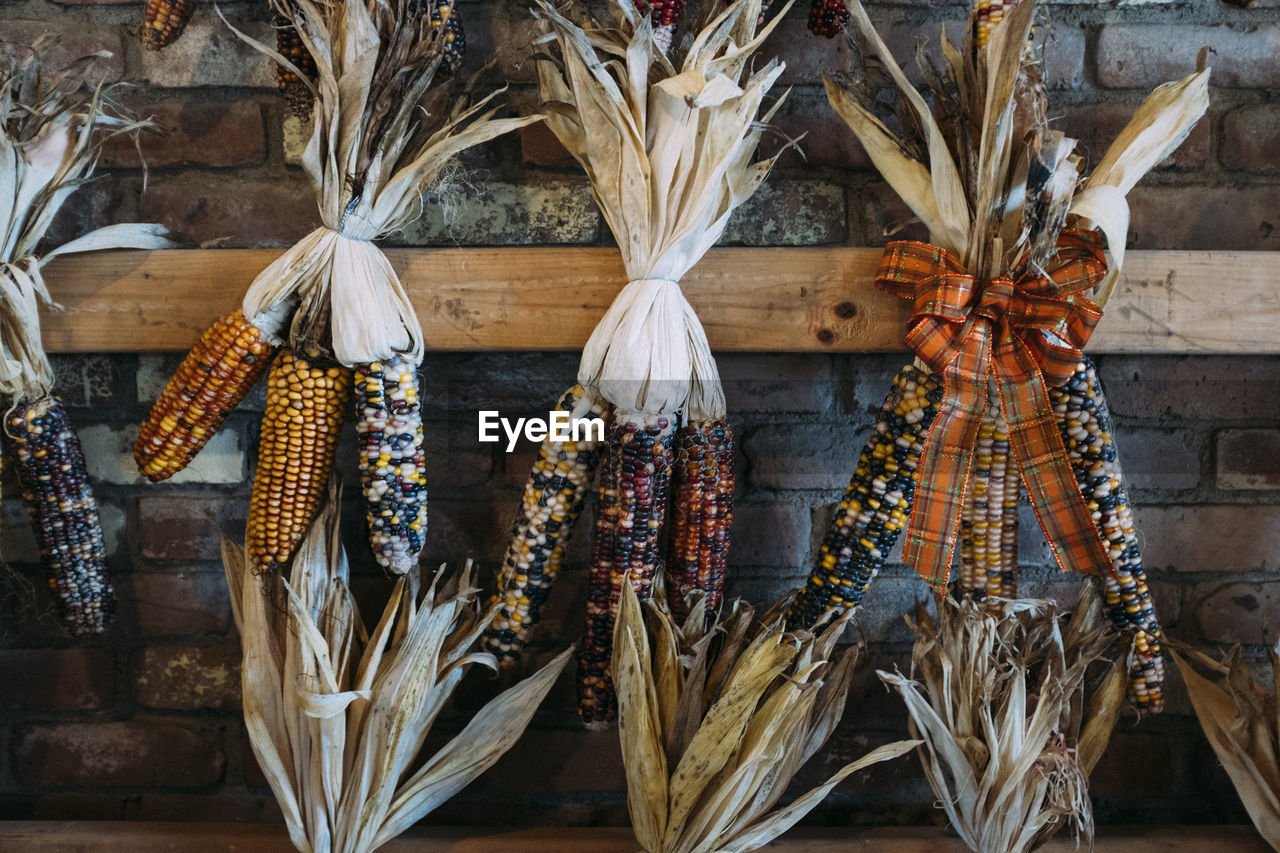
(1020, 335)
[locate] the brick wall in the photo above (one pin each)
(144, 723)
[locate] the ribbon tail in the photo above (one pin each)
(1036, 443)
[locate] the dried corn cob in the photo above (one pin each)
(987, 14)
(705, 458)
(163, 21)
(289, 45)
(549, 510)
(1085, 423)
(989, 525)
(306, 403)
(393, 466)
(877, 503)
(827, 17)
(445, 13)
(63, 511)
(628, 535)
(209, 383)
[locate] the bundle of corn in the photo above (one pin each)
(51, 128)
(667, 130)
(716, 716)
(337, 716)
(1241, 719)
(998, 695)
(1002, 308)
(386, 128)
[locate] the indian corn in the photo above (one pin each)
(164, 20)
(628, 535)
(827, 17)
(206, 387)
(445, 14)
(549, 511)
(393, 465)
(876, 504)
(1085, 424)
(989, 525)
(307, 400)
(289, 45)
(703, 512)
(63, 512)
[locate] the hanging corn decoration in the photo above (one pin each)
(307, 400)
(297, 95)
(828, 17)
(208, 384)
(393, 465)
(549, 510)
(876, 504)
(1085, 424)
(703, 512)
(63, 512)
(989, 526)
(163, 21)
(628, 534)
(445, 14)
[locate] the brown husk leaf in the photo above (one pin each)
(717, 715)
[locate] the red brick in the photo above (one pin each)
(1134, 765)
(188, 528)
(822, 137)
(133, 753)
(1192, 387)
(770, 535)
(73, 40)
(179, 603)
(77, 679)
(539, 147)
(1240, 613)
(1204, 217)
(777, 382)
(189, 678)
(200, 133)
(233, 211)
(1251, 138)
(103, 201)
(1249, 459)
(1096, 126)
(209, 54)
(802, 456)
(1159, 459)
(1210, 538)
(1146, 55)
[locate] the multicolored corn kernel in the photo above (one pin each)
(704, 472)
(828, 17)
(988, 14)
(634, 482)
(989, 523)
(1085, 424)
(163, 21)
(289, 45)
(207, 386)
(876, 504)
(445, 14)
(307, 402)
(62, 510)
(393, 466)
(549, 510)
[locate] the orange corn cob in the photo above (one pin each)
(163, 22)
(703, 511)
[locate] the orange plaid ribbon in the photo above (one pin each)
(1024, 336)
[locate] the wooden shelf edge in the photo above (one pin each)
(749, 300)
(154, 837)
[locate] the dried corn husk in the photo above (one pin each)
(669, 144)
(998, 696)
(716, 719)
(983, 171)
(52, 127)
(337, 716)
(383, 131)
(1240, 717)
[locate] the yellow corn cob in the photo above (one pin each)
(164, 20)
(549, 510)
(306, 403)
(1085, 424)
(989, 523)
(210, 382)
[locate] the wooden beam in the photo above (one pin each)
(145, 837)
(755, 300)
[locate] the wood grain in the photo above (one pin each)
(752, 300)
(94, 836)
